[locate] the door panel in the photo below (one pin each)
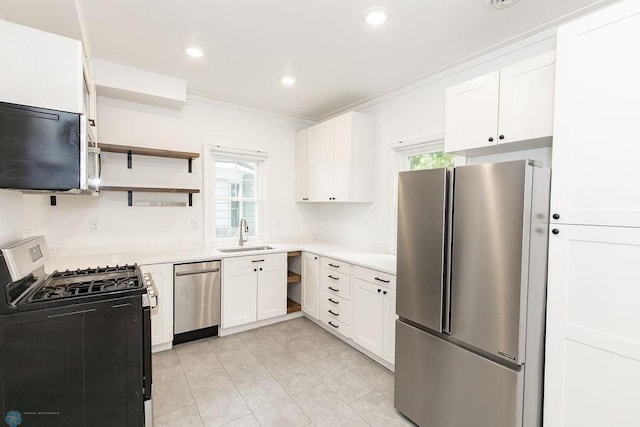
(368, 311)
(421, 237)
(487, 261)
(438, 384)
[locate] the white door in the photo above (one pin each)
(526, 99)
(389, 326)
(239, 291)
(471, 113)
(320, 152)
(597, 125)
(592, 365)
(301, 166)
(368, 309)
(343, 167)
(272, 285)
(162, 319)
(311, 284)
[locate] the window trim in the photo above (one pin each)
(216, 152)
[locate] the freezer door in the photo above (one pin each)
(489, 265)
(438, 384)
(421, 243)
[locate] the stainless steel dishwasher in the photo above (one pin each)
(196, 300)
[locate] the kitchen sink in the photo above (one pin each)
(245, 249)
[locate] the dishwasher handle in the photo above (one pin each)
(192, 272)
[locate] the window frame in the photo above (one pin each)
(214, 153)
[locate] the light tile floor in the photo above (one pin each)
(292, 373)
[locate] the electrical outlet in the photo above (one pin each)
(194, 224)
(93, 224)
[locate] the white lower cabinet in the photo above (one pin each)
(253, 288)
(162, 318)
(311, 284)
(374, 312)
(593, 336)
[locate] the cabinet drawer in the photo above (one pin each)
(336, 283)
(336, 313)
(335, 325)
(335, 265)
(374, 276)
(332, 300)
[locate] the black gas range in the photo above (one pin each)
(75, 345)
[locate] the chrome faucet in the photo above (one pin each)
(244, 229)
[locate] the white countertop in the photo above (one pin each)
(378, 261)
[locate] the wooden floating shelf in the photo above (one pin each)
(292, 306)
(294, 253)
(143, 151)
(130, 190)
(293, 277)
(151, 189)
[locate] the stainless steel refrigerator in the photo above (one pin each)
(471, 286)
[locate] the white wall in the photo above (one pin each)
(414, 113)
(121, 227)
(22, 215)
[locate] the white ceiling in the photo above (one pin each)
(249, 45)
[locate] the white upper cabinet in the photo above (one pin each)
(339, 156)
(471, 114)
(510, 105)
(40, 69)
(597, 122)
(301, 166)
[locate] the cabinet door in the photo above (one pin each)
(593, 339)
(239, 291)
(471, 113)
(24, 79)
(354, 139)
(526, 99)
(301, 166)
(595, 147)
(311, 284)
(389, 326)
(368, 309)
(272, 285)
(320, 152)
(162, 318)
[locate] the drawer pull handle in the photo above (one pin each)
(335, 302)
(333, 265)
(334, 290)
(334, 278)
(257, 260)
(381, 280)
(335, 314)
(335, 326)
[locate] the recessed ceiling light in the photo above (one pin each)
(501, 4)
(194, 51)
(288, 80)
(375, 15)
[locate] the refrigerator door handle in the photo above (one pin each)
(448, 243)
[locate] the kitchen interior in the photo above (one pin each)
(373, 213)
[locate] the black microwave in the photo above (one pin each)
(46, 150)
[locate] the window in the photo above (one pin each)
(429, 160)
(236, 197)
(233, 189)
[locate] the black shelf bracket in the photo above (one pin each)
(190, 199)
(53, 200)
(190, 165)
(129, 159)
(129, 198)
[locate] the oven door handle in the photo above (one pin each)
(73, 313)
